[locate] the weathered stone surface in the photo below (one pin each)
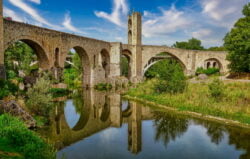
(29, 80)
(21, 74)
(21, 86)
(60, 85)
(202, 77)
(14, 109)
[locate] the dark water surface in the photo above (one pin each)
(94, 125)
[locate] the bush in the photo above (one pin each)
(103, 86)
(59, 92)
(209, 71)
(7, 88)
(216, 88)
(39, 97)
(171, 78)
(23, 140)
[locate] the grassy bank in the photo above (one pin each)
(234, 104)
(17, 141)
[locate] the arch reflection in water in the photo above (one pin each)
(144, 133)
(70, 113)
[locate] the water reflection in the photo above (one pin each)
(169, 127)
(101, 122)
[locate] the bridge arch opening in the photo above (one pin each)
(25, 57)
(105, 62)
(77, 69)
(57, 57)
(212, 63)
(161, 57)
(126, 63)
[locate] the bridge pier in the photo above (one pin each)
(2, 67)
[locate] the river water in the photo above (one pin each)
(96, 125)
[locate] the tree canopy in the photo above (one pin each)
(191, 44)
(237, 42)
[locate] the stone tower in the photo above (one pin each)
(134, 28)
(2, 69)
(135, 39)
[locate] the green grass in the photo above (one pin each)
(234, 104)
(17, 139)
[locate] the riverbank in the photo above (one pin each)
(17, 141)
(233, 106)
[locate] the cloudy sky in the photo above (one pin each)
(164, 21)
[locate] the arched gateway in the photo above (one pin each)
(52, 49)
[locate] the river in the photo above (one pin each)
(99, 125)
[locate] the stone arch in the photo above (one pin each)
(105, 61)
(127, 53)
(85, 65)
(41, 52)
(157, 58)
(214, 63)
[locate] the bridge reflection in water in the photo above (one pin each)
(102, 125)
(96, 111)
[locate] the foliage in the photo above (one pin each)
(23, 140)
(59, 92)
(19, 56)
(216, 88)
(39, 97)
(7, 88)
(196, 98)
(237, 42)
(191, 44)
(124, 66)
(103, 86)
(72, 74)
(209, 71)
(170, 74)
(216, 48)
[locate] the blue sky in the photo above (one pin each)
(164, 21)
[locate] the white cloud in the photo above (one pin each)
(120, 9)
(10, 13)
(169, 21)
(68, 25)
(36, 1)
(223, 12)
(202, 33)
(32, 12)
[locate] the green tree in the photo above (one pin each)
(22, 54)
(217, 48)
(191, 44)
(73, 73)
(171, 78)
(39, 97)
(237, 42)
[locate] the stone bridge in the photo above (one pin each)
(100, 59)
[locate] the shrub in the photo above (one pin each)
(216, 88)
(39, 97)
(7, 88)
(23, 140)
(209, 71)
(171, 79)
